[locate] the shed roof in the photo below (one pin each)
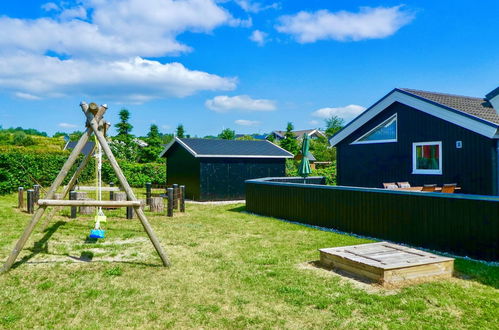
(86, 149)
(229, 148)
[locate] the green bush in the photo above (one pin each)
(328, 172)
(22, 169)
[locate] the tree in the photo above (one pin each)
(124, 127)
(22, 139)
(167, 138)
(151, 152)
(333, 125)
(180, 131)
(60, 134)
(246, 137)
(75, 136)
(227, 134)
(271, 137)
(289, 142)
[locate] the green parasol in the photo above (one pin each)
(304, 170)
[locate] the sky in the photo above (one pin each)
(251, 66)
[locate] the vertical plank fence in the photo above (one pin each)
(466, 225)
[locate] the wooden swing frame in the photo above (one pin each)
(95, 125)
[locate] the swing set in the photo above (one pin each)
(97, 126)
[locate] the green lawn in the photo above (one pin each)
(230, 270)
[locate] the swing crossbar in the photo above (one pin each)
(58, 202)
(88, 188)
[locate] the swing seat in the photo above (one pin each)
(97, 233)
(100, 218)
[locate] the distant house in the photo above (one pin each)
(86, 149)
(213, 169)
(312, 133)
(424, 138)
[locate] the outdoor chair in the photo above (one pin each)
(429, 187)
(404, 184)
(449, 188)
(390, 185)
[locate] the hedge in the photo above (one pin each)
(26, 169)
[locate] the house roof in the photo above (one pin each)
(200, 148)
(87, 149)
(300, 133)
(310, 156)
(492, 94)
(475, 106)
(474, 114)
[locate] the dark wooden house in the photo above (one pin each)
(423, 138)
(215, 170)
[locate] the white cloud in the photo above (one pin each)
(49, 6)
(99, 48)
(347, 113)
(256, 7)
(115, 28)
(259, 37)
(27, 96)
(244, 122)
(136, 80)
(368, 23)
(224, 103)
(67, 125)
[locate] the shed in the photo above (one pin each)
(215, 170)
(424, 138)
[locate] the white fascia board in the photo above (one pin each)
(181, 143)
(452, 116)
(240, 156)
(275, 145)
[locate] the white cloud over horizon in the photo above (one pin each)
(67, 125)
(109, 41)
(224, 103)
(245, 122)
(256, 7)
(347, 113)
(368, 23)
(136, 80)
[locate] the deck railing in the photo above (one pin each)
(466, 225)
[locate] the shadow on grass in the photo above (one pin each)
(238, 209)
(40, 245)
(477, 271)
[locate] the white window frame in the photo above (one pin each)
(392, 118)
(414, 160)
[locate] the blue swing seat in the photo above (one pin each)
(97, 233)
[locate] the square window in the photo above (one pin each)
(427, 158)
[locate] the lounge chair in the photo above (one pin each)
(390, 185)
(429, 187)
(449, 188)
(404, 184)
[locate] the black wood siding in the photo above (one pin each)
(466, 225)
(369, 165)
(223, 178)
(183, 168)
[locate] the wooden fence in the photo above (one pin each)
(466, 225)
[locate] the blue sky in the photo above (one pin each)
(247, 65)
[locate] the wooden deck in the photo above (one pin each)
(387, 263)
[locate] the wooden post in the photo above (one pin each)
(170, 202)
(148, 193)
(175, 196)
(72, 196)
(129, 212)
(156, 204)
(182, 199)
(111, 193)
(124, 183)
(50, 193)
(31, 200)
(36, 196)
(20, 198)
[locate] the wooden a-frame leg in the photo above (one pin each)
(50, 194)
(68, 188)
(124, 183)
